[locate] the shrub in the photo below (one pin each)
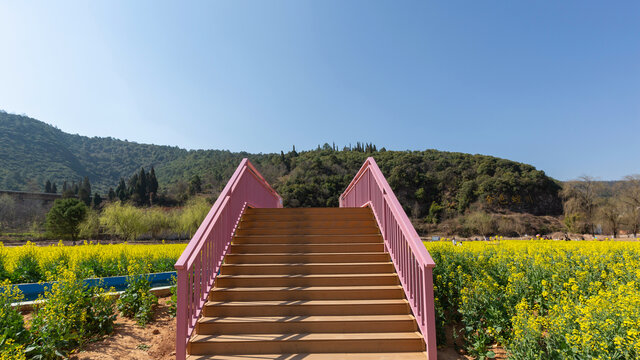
(136, 301)
(90, 227)
(65, 217)
(27, 268)
(124, 220)
(12, 328)
(10, 350)
(71, 314)
(173, 301)
(192, 215)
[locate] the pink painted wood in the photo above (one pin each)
(198, 265)
(411, 259)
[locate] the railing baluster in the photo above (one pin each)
(199, 264)
(410, 258)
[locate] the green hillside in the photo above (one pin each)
(32, 152)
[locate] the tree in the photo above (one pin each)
(112, 194)
(141, 190)
(47, 187)
(84, 195)
(611, 213)
(152, 185)
(121, 190)
(124, 220)
(581, 198)
(630, 197)
(195, 186)
(65, 217)
(54, 188)
(97, 200)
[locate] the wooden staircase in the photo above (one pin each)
(312, 283)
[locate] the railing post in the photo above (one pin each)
(181, 313)
(198, 265)
(429, 314)
(410, 258)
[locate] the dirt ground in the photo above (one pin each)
(156, 341)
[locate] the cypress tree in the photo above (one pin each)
(152, 184)
(54, 188)
(112, 194)
(47, 187)
(141, 188)
(121, 190)
(97, 200)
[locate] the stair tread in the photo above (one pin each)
(309, 288)
(314, 264)
(308, 253)
(317, 356)
(308, 276)
(305, 235)
(305, 337)
(321, 244)
(307, 302)
(303, 318)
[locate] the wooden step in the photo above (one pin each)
(305, 324)
(306, 293)
(317, 356)
(306, 258)
(301, 216)
(369, 230)
(306, 343)
(307, 224)
(305, 248)
(307, 239)
(306, 307)
(308, 268)
(308, 211)
(307, 280)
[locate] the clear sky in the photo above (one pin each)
(552, 83)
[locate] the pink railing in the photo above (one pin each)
(198, 265)
(409, 255)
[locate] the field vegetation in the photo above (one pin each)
(539, 299)
(31, 263)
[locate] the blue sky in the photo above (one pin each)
(552, 83)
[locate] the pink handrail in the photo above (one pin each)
(411, 259)
(198, 265)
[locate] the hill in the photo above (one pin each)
(428, 183)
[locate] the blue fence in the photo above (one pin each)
(119, 283)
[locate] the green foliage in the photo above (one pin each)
(124, 220)
(27, 269)
(90, 226)
(65, 217)
(136, 301)
(11, 323)
(173, 300)
(435, 213)
(72, 314)
(158, 221)
(192, 215)
(307, 178)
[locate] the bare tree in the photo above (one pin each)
(630, 197)
(581, 197)
(611, 212)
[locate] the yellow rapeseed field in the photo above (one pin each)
(541, 299)
(31, 263)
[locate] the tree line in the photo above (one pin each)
(594, 207)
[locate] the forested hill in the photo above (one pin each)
(436, 182)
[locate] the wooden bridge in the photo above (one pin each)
(261, 282)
